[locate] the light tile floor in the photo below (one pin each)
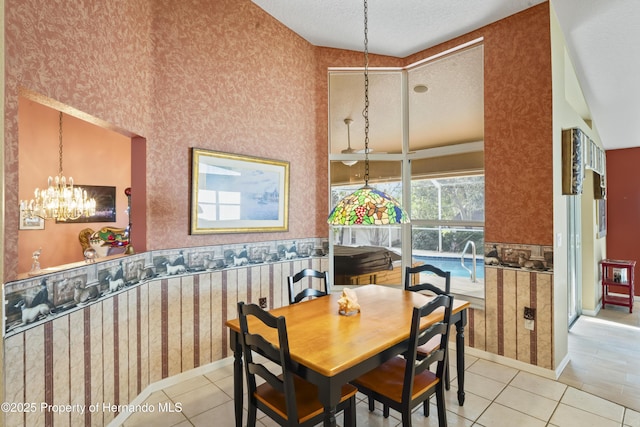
(605, 356)
(603, 370)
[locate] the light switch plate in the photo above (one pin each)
(529, 324)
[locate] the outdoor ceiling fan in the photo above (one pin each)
(350, 150)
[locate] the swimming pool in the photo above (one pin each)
(453, 265)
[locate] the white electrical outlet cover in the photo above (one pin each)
(529, 324)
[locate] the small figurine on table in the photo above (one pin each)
(35, 264)
(348, 303)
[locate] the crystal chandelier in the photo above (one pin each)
(367, 206)
(60, 200)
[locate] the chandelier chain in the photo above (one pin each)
(60, 145)
(367, 206)
(365, 112)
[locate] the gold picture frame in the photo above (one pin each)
(30, 223)
(233, 193)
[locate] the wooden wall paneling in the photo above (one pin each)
(242, 279)
(174, 327)
(78, 362)
(507, 286)
(123, 350)
(196, 320)
(230, 299)
(264, 283)
(544, 320)
(469, 328)
(511, 318)
(48, 371)
(280, 273)
(230, 294)
(480, 329)
(187, 324)
(14, 355)
(133, 346)
(61, 369)
(218, 317)
(206, 318)
(523, 299)
(493, 292)
(109, 355)
(96, 352)
(144, 357)
(254, 285)
(154, 316)
(34, 373)
(324, 263)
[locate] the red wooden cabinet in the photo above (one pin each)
(618, 275)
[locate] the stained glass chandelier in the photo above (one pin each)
(60, 200)
(367, 206)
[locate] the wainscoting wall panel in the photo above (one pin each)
(106, 353)
(500, 329)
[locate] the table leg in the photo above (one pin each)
(237, 376)
(460, 355)
(329, 395)
(330, 417)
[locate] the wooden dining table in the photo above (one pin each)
(329, 349)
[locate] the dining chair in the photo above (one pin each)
(410, 280)
(284, 396)
(419, 285)
(405, 381)
(308, 292)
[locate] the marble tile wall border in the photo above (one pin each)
(512, 255)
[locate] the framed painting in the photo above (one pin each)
(30, 223)
(232, 193)
(105, 197)
(601, 208)
(573, 148)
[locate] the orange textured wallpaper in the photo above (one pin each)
(226, 76)
(96, 59)
(518, 129)
(220, 75)
(518, 126)
(230, 78)
(623, 206)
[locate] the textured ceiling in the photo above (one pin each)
(600, 39)
(451, 111)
